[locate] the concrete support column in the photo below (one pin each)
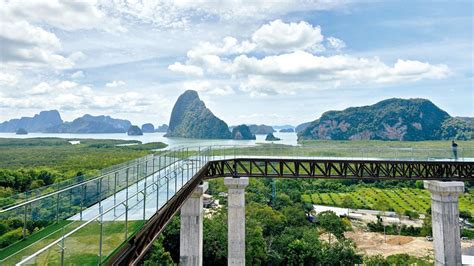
(190, 238)
(236, 219)
(445, 219)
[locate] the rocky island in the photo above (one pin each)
(191, 118)
(242, 132)
(271, 137)
(134, 131)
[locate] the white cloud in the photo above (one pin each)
(336, 43)
(228, 46)
(115, 83)
(280, 36)
(78, 75)
(68, 95)
(180, 13)
(26, 45)
(63, 14)
(299, 68)
(8, 79)
(186, 69)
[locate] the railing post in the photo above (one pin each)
(83, 196)
(99, 193)
(57, 208)
(62, 247)
(115, 192)
(126, 219)
(101, 237)
(25, 217)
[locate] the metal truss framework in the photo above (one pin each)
(134, 250)
(342, 169)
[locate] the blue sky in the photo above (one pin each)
(272, 62)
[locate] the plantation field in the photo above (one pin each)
(388, 199)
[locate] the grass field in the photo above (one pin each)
(396, 199)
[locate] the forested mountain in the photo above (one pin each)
(391, 119)
(92, 124)
(191, 118)
(37, 123)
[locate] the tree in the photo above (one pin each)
(255, 246)
(215, 238)
(331, 223)
(377, 260)
(158, 255)
(348, 202)
(305, 250)
(426, 228)
(272, 221)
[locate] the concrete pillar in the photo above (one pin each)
(190, 238)
(445, 219)
(236, 219)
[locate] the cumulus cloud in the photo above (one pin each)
(26, 45)
(291, 62)
(336, 43)
(186, 69)
(280, 36)
(115, 83)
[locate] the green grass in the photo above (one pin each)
(397, 198)
(31, 239)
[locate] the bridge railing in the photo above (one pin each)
(51, 210)
(34, 193)
(353, 153)
(93, 240)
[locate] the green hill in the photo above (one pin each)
(391, 119)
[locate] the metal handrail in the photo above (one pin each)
(79, 184)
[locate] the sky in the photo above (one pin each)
(251, 61)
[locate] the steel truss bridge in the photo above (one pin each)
(114, 218)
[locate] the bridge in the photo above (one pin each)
(113, 219)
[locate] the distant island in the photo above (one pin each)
(287, 130)
(38, 123)
(92, 124)
(391, 119)
(148, 128)
(134, 131)
(191, 118)
(162, 128)
(21, 131)
(271, 137)
(261, 129)
(242, 132)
